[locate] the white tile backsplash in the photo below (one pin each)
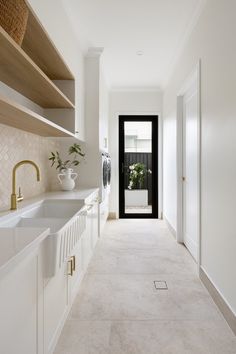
(17, 145)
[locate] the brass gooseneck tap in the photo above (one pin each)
(14, 197)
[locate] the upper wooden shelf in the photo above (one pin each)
(19, 71)
(38, 45)
(20, 117)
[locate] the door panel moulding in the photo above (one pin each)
(194, 77)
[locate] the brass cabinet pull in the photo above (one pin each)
(70, 267)
(183, 179)
(73, 263)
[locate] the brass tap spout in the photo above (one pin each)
(14, 197)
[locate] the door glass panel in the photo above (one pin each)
(138, 167)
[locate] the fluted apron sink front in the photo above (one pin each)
(66, 220)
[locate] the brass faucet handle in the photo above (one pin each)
(20, 196)
(14, 198)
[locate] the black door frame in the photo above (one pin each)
(139, 118)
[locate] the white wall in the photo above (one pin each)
(96, 113)
(103, 111)
(127, 102)
(213, 41)
(87, 171)
(54, 18)
(169, 169)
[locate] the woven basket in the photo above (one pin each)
(13, 18)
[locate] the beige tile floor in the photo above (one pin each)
(138, 210)
(119, 311)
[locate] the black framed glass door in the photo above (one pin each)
(138, 166)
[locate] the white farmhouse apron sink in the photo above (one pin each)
(51, 208)
(66, 220)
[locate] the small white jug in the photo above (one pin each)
(68, 179)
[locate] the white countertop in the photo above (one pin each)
(16, 243)
(80, 194)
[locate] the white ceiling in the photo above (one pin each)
(157, 28)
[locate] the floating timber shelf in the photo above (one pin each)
(38, 45)
(18, 116)
(20, 72)
(38, 71)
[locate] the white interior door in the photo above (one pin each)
(190, 169)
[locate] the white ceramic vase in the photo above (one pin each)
(67, 179)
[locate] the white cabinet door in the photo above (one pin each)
(95, 225)
(77, 272)
(103, 214)
(90, 237)
(19, 309)
(86, 244)
(56, 305)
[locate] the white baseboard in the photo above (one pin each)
(170, 227)
(219, 300)
(52, 345)
(192, 247)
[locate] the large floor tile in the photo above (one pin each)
(84, 337)
(133, 227)
(134, 297)
(140, 240)
(119, 311)
(142, 337)
(183, 337)
(112, 260)
(135, 235)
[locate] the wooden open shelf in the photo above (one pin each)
(37, 71)
(19, 71)
(43, 52)
(20, 117)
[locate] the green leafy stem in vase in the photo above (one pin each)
(74, 150)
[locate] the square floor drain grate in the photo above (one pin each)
(160, 285)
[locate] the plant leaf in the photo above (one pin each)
(76, 162)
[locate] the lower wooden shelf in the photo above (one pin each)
(20, 117)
